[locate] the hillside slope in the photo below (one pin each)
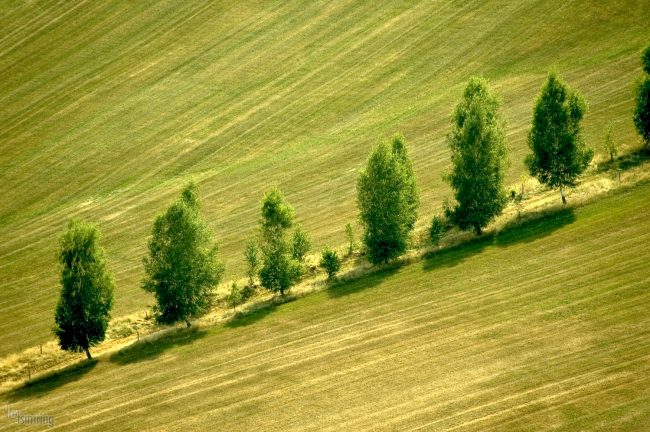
(545, 327)
(107, 108)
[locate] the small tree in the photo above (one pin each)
(610, 146)
(349, 237)
(300, 245)
(234, 296)
(182, 267)
(642, 109)
(279, 270)
(252, 257)
(330, 262)
(83, 310)
(559, 154)
(410, 188)
(385, 205)
(479, 158)
(436, 229)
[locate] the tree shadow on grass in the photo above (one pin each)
(251, 316)
(535, 226)
(452, 256)
(41, 385)
(152, 347)
(346, 287)
(243, 319)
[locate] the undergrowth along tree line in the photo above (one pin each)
(182, 268)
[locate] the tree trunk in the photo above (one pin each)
(563, 197)
(87, 351)
(188, 323)
(479, 231)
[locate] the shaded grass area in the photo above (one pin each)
(549, 331)
(48, 382)
(107, 108)
(152, 347)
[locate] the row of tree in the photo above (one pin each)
(182, 267)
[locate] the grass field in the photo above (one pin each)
(106, 108)
(543, 327)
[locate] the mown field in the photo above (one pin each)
(107, 108)
(543, 327)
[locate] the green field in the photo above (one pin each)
(107, 108)
(543, 327)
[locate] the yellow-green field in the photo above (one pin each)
(106, 108)
(543, 327)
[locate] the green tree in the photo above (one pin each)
(478, 156)
(349, 236)
(410, 190)
(252, 257)
(642, 109)
(383, 198)
(300, 245)
(559, 154)
(610, 146)
(436, 229)
(83, 310)
(279, 270)
(234, 296)
(330, 262)
(181, 268)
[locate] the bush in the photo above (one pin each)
(330, 262)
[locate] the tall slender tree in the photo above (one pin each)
(83, 311)
(559, 154)
(181, 268)
(478, 156)
(642, 109)
(410, 190)
(279, 269)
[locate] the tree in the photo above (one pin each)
(83, 310)
(410, 191)
(645, 59)
(234, 296)
(349, 236)
(300, 245)
(610, 146)
(279, 270)
(383, 198)
(478, 156)
(330, 262)
(182, 266)
(559, 154)
(252, 257)
(642, 109)
(436, 229)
